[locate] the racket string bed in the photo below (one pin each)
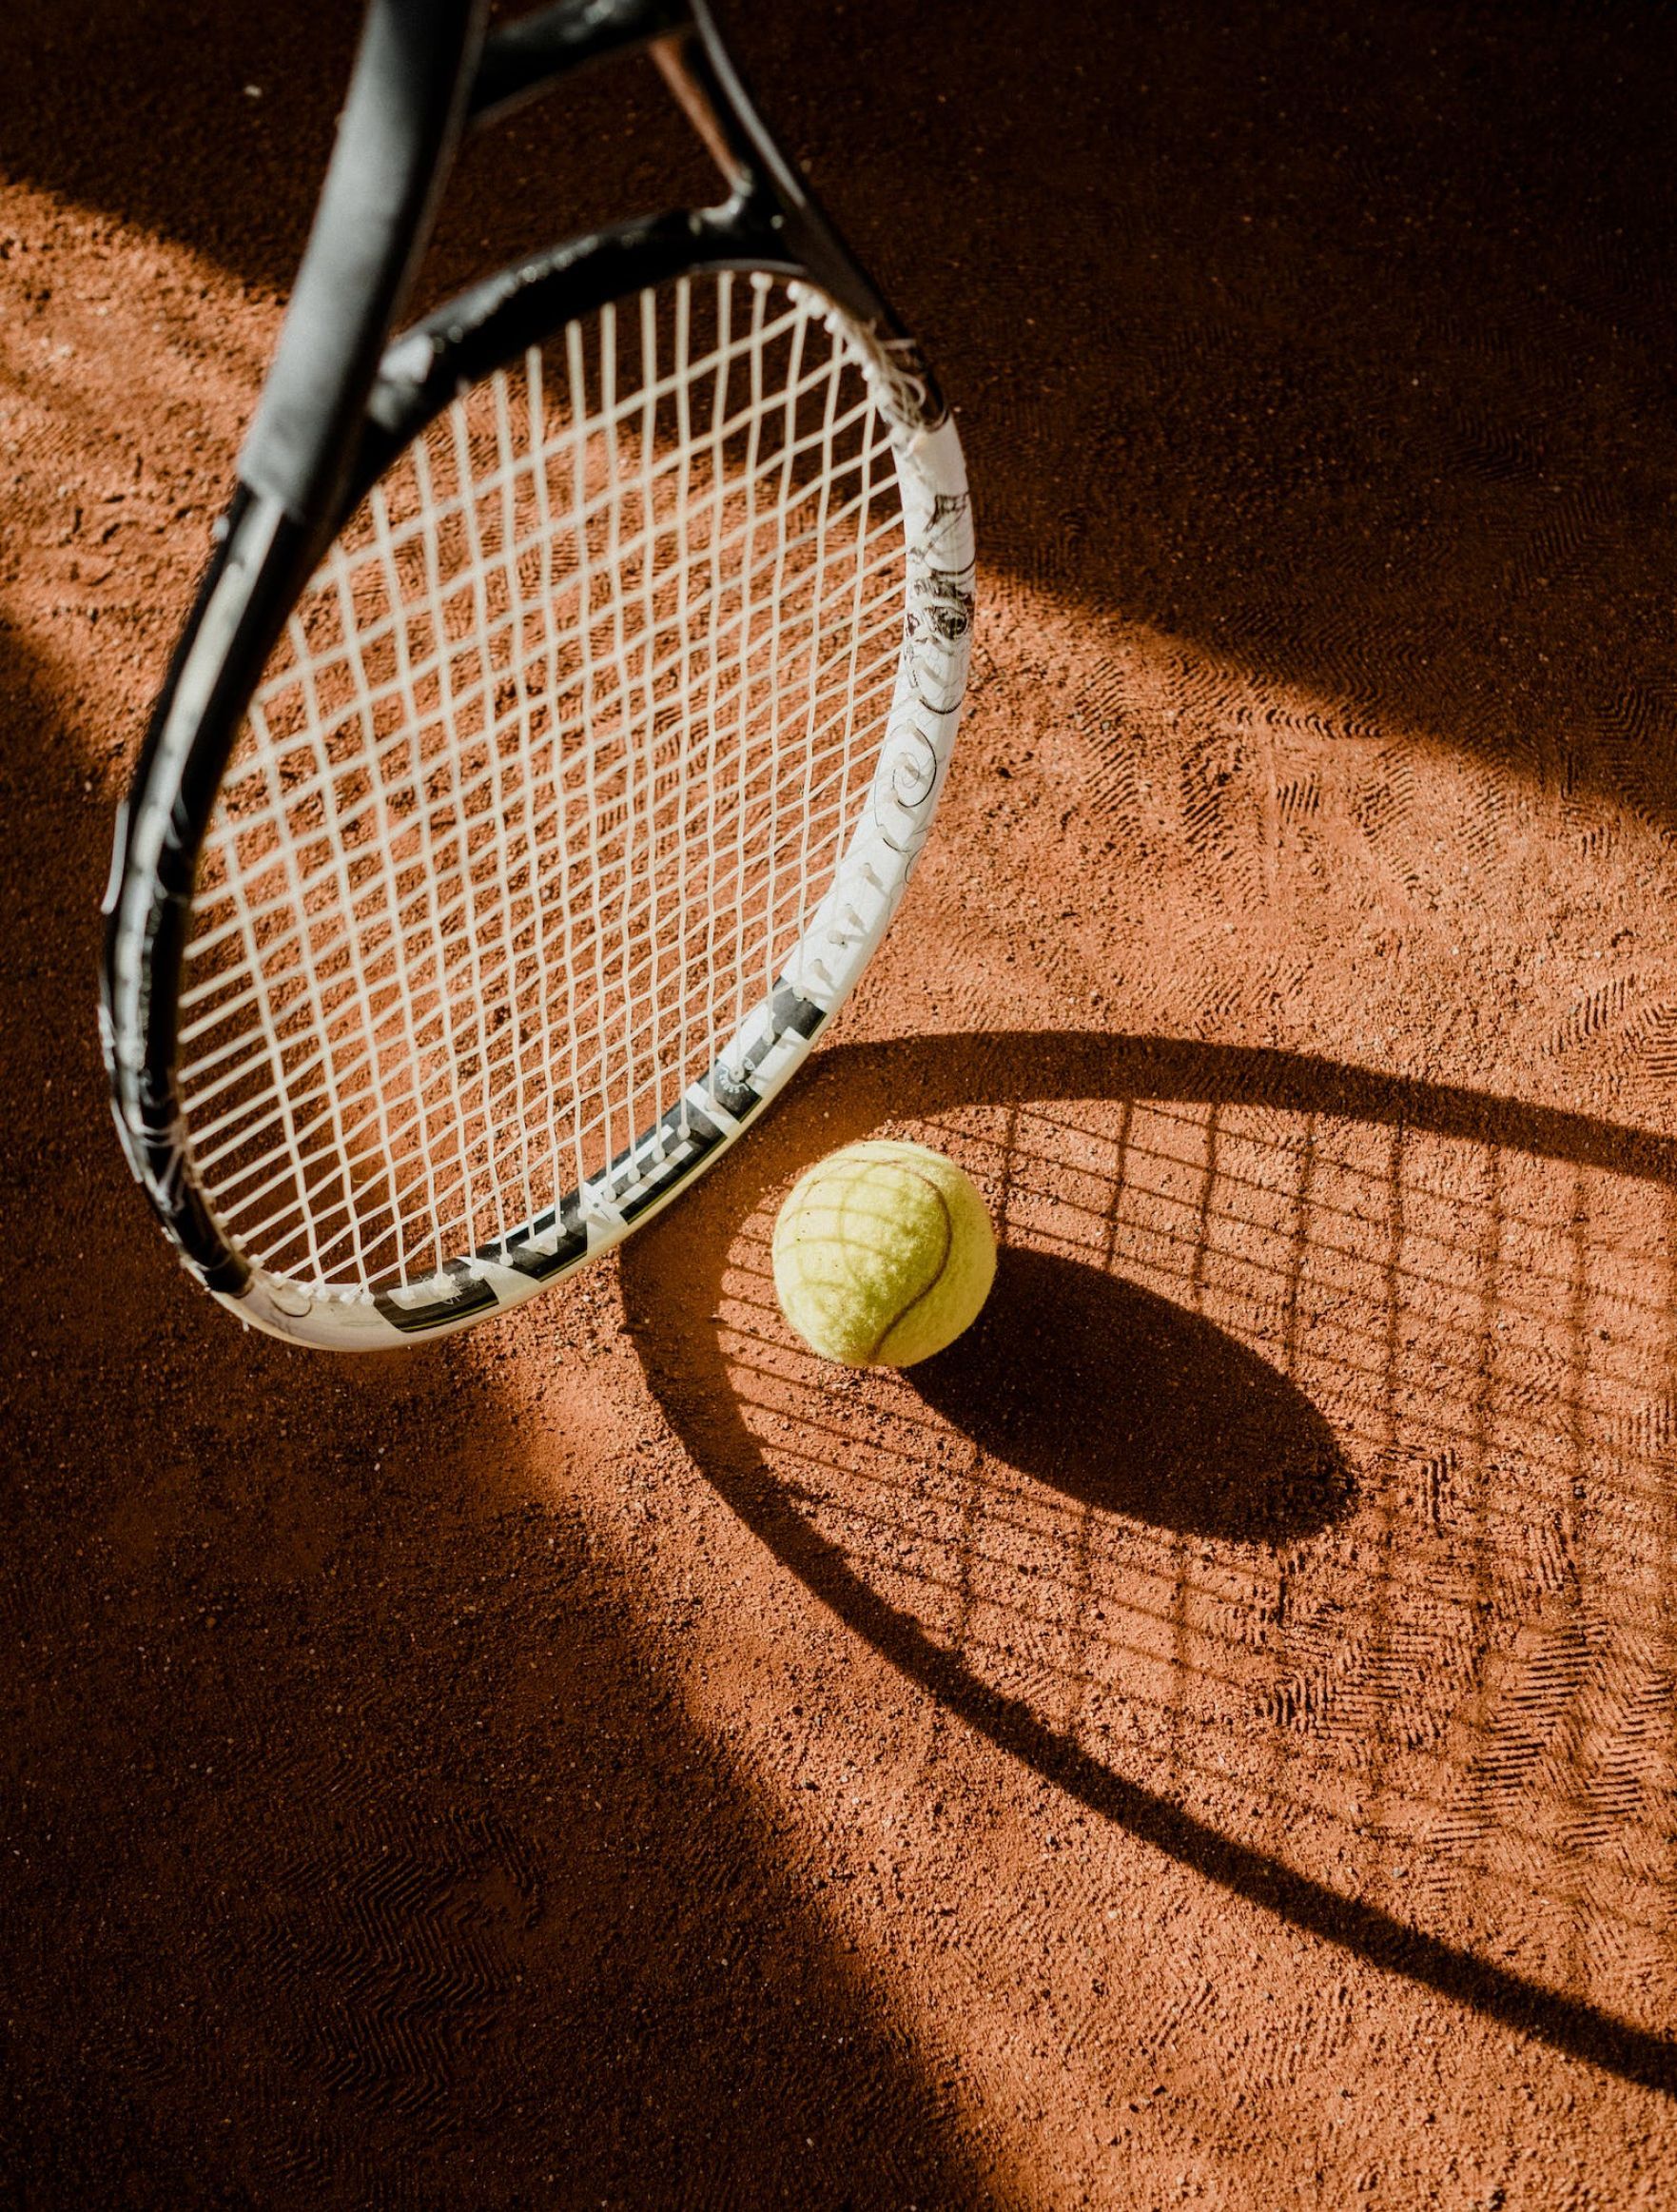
(560, 753)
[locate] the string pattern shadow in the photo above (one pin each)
(1303, 1497)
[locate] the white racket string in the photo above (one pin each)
(558, 753)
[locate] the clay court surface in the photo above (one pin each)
(1212, 1736)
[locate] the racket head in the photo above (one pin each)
(488, 875)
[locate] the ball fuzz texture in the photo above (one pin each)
(883, 1254)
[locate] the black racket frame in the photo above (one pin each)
(342, 399)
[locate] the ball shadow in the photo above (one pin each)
(1131, 1404)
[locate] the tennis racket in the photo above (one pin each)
(564, 707)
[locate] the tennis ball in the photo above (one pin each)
(883, 1254)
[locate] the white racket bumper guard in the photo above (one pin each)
(818, 975)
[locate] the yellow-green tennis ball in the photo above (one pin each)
(883, 1254)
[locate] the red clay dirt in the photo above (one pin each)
(1207, 1738)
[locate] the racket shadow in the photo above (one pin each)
(1366, 1618)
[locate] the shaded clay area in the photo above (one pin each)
(1206, 1738)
